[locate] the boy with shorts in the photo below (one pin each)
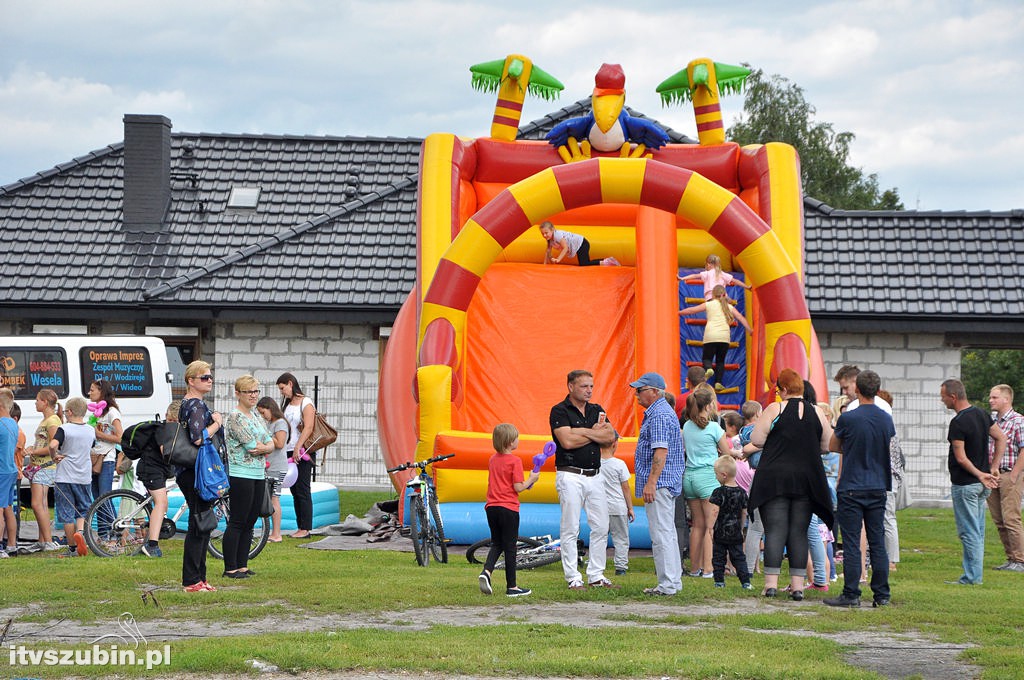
(152, 470)
(8, 470)
(70, 448)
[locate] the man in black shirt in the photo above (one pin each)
(578, 429)
(971, 482)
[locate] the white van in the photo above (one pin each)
(135, 365)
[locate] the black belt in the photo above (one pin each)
(577, 471)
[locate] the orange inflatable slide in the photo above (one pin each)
(490, 332)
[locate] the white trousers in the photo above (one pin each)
(618, 527)
(664, 545)
(575, 494)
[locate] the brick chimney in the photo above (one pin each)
(147, 171)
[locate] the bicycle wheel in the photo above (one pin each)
(477, 553)
(418, 530)
(438, 544)
(260, 532)
(128, 515)
(537, 558)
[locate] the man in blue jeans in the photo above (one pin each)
(969, 476)
(862, 437)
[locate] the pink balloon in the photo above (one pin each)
(291, 476)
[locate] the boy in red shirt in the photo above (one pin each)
(504, 482)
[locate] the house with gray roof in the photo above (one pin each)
(273, 253)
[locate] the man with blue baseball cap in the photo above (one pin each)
(658, 464)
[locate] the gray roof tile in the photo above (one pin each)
(335, 229)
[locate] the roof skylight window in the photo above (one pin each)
(244, 197)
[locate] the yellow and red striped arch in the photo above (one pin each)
(614, 180)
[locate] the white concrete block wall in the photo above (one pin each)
(345, 358)
(911, 366)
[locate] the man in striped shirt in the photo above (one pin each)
(1004, 503)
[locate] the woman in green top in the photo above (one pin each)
(249, 444)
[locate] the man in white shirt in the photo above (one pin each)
(847, 379)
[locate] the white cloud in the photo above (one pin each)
(928, 86)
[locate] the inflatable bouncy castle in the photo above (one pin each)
(490, 331)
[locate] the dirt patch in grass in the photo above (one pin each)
(891, 655)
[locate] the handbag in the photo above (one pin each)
(97, 462)
(321, 436)
(266, 503)
(206, 520)
(903, 497)
(177, 445)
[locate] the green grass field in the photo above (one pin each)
(296, 602)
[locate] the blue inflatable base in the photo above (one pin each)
(466, 523)
(325, 507)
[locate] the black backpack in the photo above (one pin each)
(142, 438)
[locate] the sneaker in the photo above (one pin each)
(485, 583)
(196, 587)
(719, 584)
(703, 575)
(49, 546)
(959, 582)
(3, 555)
(747, 586)
(1004, 566)
(604, 583)
(610, 262)
(577, 585)
(620, 572)
(78, 544)
(815, 586)
(657, 592)
(696, 574)
(880, 602)
(842, 601)
(835, 577)
(152, 551)
(518, 592)
(1016, 566)
(709, 374)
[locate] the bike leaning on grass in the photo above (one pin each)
(425, 525)
(129, 529)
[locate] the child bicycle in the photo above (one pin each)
(128, 515)
(427, 531)
(531, 552)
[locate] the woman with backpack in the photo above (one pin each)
(198, 417)
(248, 444)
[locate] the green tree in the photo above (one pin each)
(983, 368)
(775, 110)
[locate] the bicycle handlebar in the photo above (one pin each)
(422, 465)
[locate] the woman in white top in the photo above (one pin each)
(108, 435)
(299, 412)
(716, 332)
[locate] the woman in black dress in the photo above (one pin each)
(790, 482)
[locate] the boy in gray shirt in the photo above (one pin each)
(70, 449)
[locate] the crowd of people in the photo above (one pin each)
(76, 451)
(785, 482)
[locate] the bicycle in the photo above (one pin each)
(128, 514)
(427, 531)
(531, 552)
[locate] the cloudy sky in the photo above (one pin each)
(933, 90)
